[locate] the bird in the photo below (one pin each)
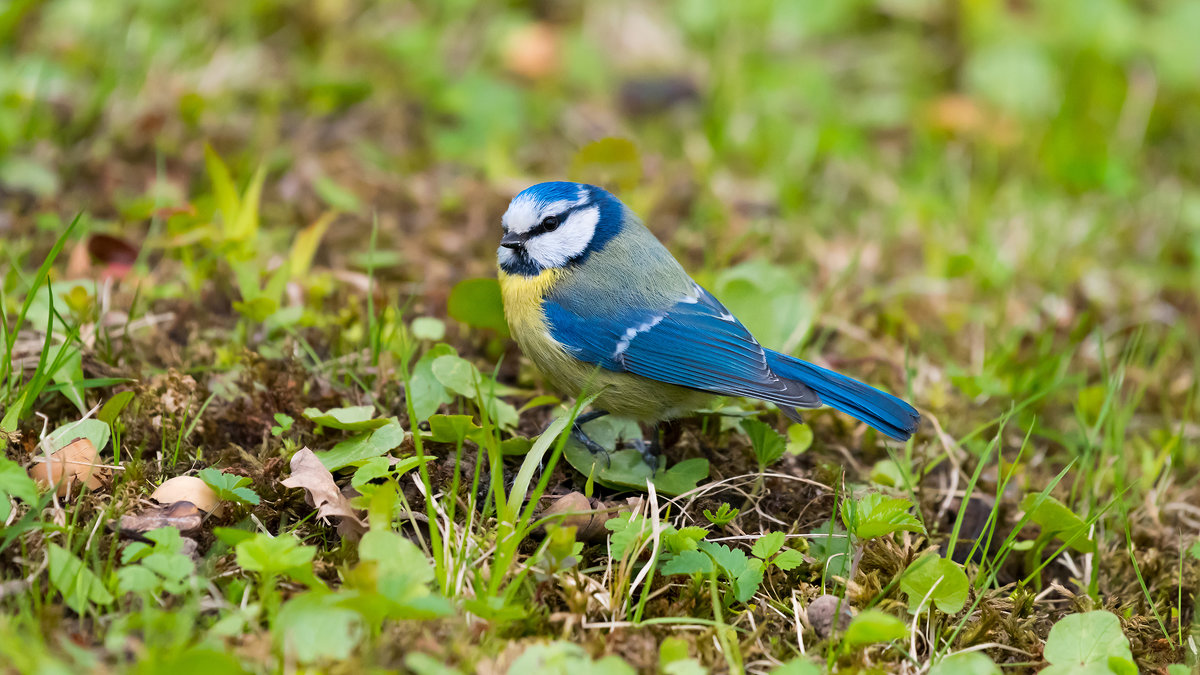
(598, 304)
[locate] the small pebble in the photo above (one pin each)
(821, 611)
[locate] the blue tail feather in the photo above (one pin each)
(865, 403)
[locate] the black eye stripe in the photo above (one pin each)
(560, 219)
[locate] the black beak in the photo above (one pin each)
(511, 240)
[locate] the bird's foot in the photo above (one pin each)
(580, 435)
(651, 451)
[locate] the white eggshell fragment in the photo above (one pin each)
(187, 489)
(75, 463)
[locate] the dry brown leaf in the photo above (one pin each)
(322, 493)
(77, 462)
(588, 516)
(188, 489)
(183, 516)
(533, 51)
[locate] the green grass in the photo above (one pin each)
(218, 217)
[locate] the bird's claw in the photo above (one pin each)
(648, 450)
(593, 447)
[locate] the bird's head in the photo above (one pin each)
(552, 225)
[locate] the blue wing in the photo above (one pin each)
(695, 343)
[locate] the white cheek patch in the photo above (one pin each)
(554, 249)
(521, 215)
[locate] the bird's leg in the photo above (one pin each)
(652, 450)
(578, 433)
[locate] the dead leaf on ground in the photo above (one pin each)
(183, 516)
(322, 493)
(188, 489)
(587, 516)
(75, 463)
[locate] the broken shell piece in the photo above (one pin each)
(75, 463)
(183, 516)
(586, 515)
(187, 489)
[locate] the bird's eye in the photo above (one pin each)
(550, 223)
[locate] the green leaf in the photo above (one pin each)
(873, 626)
(229, 487)
(314, 626)
(797, 666)
(744, 574)
(245, 226)
(767, 545)
(565, 658)
(371, 469)
(746, 584)
(80, 587)
(724, 515)
(403, 575)
(477, 303)
(225, 192)
(686, 539)
(269, 555)
(112, 407)
(687, 562)
(831, 546)
(965, 663)
(357, 418)
(336, 195)
(768, 444)
(458, 375)
(453, 429)
(15, 482)
(92, 429)
(232, 536)
(365, 445)
(424, 664)
(139, 580)
(608, 161)
(789, 559)
(304, 246)
(626, 469)
(427, 392)
(950, 593)
(876, 515)
(629, 530)
(1083, 644)
(516, 446)
(799, 438)
(428, 328)
(1054, 517)
(888, 473)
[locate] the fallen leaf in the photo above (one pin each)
(587, 516)
(322, 493)
(77, 462)
(117, 255)
(533, 51)
(182, 515)
(187, 489)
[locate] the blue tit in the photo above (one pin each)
(599, 304)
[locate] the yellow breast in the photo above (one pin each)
(523, 298)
